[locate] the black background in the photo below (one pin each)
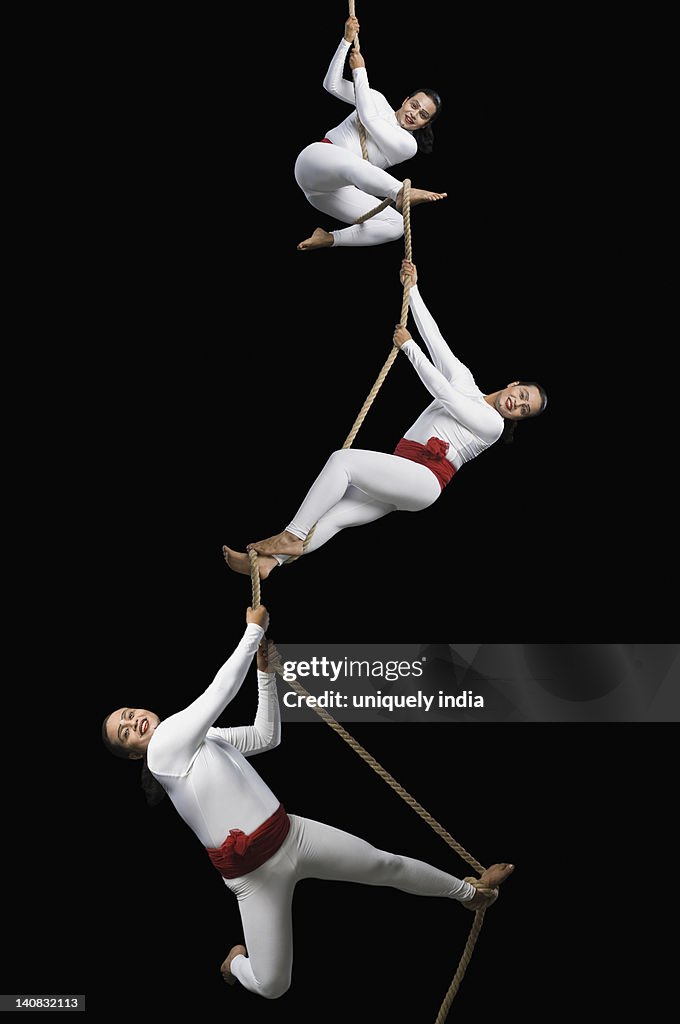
(222, 368)
(231, 365)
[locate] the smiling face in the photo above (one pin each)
(518, 401)
(131, 729)
(416, 112)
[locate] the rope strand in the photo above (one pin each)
(255, 579)
(300, 690)
(362, 130)
(394, 352)
(368, 759)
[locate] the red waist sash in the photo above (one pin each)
(328, 141)
(432, 455)
(240, 854)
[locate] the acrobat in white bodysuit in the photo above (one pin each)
(209, 780)
(337, 180)
(357, 487)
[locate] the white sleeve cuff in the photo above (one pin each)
(265, 677)
(252, 629)
(468, 893)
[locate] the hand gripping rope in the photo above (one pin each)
(362, 130)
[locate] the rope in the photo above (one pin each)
(378, 209)
(484, 897)
(462, 966)
(408, 246)
(388, 778)
(394, 352)
(362, 130)
(255, 578)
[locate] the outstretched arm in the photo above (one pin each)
(440, 353)
(265, 732)
(334, 83)
(180, 736)
(478, 417)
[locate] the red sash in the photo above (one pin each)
(240, 854)
(328, 141)
(432, 455)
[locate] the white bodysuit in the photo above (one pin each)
(204, 770)
(207, 776)
(357, 487)
(337, 180)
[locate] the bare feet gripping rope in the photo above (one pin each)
(485, 896)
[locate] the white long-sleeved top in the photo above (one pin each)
(459, 413)
(204, 770)
(386, 141)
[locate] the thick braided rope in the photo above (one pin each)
(390, 780)
(403, 320)
(255, 578)
(412, 803)
(372, 213)
(462, 967)
(300, 690)
(362, 130)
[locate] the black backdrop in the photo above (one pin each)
(228, 367)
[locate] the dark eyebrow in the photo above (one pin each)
(122, 723)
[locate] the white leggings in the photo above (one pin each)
(357, 487)
(313, 850)
(344, 186)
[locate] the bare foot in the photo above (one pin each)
(420, 195)
(496, 875)
(240, 562)
(282, 544)
(226, 966)
(320, 240)
(492, 878)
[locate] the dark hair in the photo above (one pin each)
(425, 136)
(113, 748)
(151, 787)
(510, 426)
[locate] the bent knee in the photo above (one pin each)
(388, 862)
(392, 224)
(275, 988)
(339, 458)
